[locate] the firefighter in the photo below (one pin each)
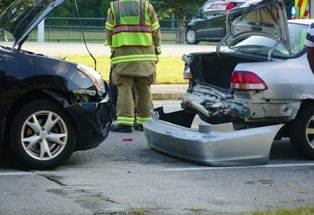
(133, 34)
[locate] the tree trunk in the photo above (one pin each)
(3, 37)
(180, 32)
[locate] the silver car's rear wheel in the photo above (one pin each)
(42, 136)
(302, 131)
(190, 37)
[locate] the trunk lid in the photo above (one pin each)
(257, 18)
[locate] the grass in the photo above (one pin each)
(169, 69)
(285, 211)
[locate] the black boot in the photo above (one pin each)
(121, 128)
(138, 127)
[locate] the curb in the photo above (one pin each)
(168, 91)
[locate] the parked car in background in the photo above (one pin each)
(49, 108)
(208, 24)
(260, 88)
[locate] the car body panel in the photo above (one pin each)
(24, 74)
(297, 70)
(216, 145)
(263, 17)
(94, 119)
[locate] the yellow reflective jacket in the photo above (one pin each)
(134, 60)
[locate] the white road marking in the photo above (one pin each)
(15, 173)
(239, 167)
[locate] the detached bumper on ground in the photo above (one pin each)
(217, 145)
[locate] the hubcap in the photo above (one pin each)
(190, 36)
(44, 135)
(310, 132)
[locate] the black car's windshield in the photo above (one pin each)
(260, 45)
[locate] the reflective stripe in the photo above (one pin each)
(109, 26)
(134, 58)
(132, 28)
(158, 48)
(124, 120)
(141, 120)
(155, 26)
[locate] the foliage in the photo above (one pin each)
(95, 8)
(180, 8)
(4, 4)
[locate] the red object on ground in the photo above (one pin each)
(128, 139)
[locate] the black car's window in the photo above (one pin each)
(260, 45)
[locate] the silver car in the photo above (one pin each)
(256, 87)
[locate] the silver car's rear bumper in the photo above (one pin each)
(218, 145)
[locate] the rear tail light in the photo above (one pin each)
(243, 80)
(230, 5)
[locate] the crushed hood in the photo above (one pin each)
(22, 16)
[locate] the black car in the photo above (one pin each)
(49, 108)
(208, 24)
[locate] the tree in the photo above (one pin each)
(181, 8)
(3, 5)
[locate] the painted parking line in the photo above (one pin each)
(239, 167)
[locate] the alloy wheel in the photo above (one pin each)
(44, 135)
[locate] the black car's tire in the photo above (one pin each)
(302, 131)
(190, 36)
(41, 136)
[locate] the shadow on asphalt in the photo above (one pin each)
(140, 153)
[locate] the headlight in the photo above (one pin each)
(94, 76)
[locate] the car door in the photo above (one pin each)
(203, 27)
(215, 27)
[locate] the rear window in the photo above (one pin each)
(259, 45)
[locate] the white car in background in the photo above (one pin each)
(259, 88)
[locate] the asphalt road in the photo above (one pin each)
(121, 177)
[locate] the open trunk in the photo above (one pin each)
(214, 69)
(209, 94)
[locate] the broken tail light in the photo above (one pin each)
(244, 80)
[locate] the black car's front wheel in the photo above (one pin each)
(190, 36)
(302, 131)
(42, 136)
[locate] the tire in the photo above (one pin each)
(302, 131)
(190, 36)
(41, 136)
